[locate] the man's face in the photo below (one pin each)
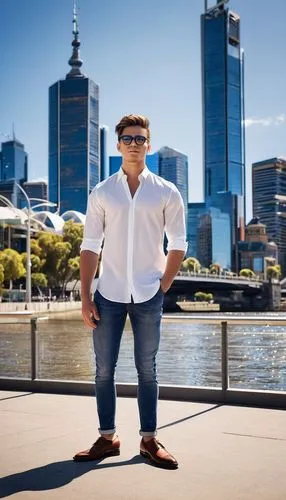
(133, 152)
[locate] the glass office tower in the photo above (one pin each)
(223, 114)
(195, 210)
(104, 164)
(13, 169)
(269, 201)
(222, 101)
(14, 161)
(74, 167)
(173, 166)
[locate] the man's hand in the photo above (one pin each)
(89, 311)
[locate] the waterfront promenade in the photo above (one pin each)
(224, 452)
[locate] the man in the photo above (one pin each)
(131, 211)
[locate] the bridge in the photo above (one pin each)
(233, 293)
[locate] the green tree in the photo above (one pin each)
(13, 266)
(248, 273)
(274, 272)
(215, 268)
(35, 248)
(191, 264)
(39, 279)
(73, 234)
(50, 256)
(1, 277)
(36, 262)
(201, 296)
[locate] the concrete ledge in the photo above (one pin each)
(260, 399)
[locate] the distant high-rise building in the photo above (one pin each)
(222, 91)
(74, 167)
(104, 164)
(216, 232)
(223, 119)
(14, 161)
(37, 189)
(269, 201)
(13, 170)
(173, 166)
(195, 210)
(256, 252)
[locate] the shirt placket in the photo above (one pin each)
(130, 238)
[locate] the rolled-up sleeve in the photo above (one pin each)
(175, 225)
(94, 224)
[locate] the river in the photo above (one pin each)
(189, 353)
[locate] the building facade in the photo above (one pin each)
(74, 167)
(256, 252)
(195, 211)
(104, 164)
(173, 166)
(14, 161)
(223, 119)
(269, 201)
(13, 170)
(36, 189)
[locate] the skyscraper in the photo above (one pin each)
(73, 135)
(269, 201)
(13, 170)
(173, 166)
(104, 164)
(13, 161)
(37, 189)
(195, 211)
(223, 118)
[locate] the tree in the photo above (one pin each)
(39, 279)
(191, 264)
(248, 273)
(36, 262)
(201, 296)
(215, 268)
(50, 256)
(1, 276)
(73, 234)
(12, 264)
(274, 272)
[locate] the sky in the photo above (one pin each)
(146, 58)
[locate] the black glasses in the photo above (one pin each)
(127, 139)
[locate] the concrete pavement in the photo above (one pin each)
(224, 452)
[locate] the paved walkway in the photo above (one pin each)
(224, 452)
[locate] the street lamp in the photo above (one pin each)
(28, 270)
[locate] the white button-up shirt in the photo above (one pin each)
(132, 232)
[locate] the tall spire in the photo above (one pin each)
(75, 62)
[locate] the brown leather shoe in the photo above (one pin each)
(100, 449)
(158, 455)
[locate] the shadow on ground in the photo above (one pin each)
(55, 475)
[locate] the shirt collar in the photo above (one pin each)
(144, 174)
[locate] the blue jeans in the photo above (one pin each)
(145, 320)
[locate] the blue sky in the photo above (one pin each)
(146, 59)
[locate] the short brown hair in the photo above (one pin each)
(131, 121)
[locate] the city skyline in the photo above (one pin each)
(109, 49)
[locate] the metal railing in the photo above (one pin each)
(223, 394)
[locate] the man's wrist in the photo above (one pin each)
(85, 297)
